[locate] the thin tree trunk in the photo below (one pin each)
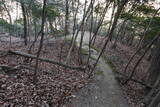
(51, 25)
(130, 60)
(10, 20)
(66, 18)
(35, 28)
(24, 22)
(41, 41)
(74, 21)
(82, 35)
(146, 30)
(119, 33)
(110, 33)
(100, 23)
(90, 38)
(113, 12)
(8, 13)
(140, 48)
(76, 35)
(140, 59)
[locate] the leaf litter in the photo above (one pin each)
(55, 85)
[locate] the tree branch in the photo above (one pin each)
(45, 60)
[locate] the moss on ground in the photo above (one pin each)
(84, 51)
(109, 62)
(93, 58)
(69, 40)
(99, 72)
(106, 59)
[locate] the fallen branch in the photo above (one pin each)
(45, 60)
(134, 80)
(7, 68)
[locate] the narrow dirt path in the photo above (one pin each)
(105, 90)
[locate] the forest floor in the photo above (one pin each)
(55, 84)
(104, 91)
(119, 58)
(17, 87)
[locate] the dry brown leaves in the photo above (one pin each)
(55, 85)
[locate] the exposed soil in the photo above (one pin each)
(120, 57)
(105, 90)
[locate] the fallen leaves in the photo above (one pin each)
(120, 57)
(55, 85)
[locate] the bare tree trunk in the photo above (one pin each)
(112, 16)
(55, 23)
(10, 20)
(24, 22)
(119, 33)
(90, 38)
(110, 33)
(100, 22)
(41, 41)
(146, 30)
(82, 35)
(66, 18)
(147, 49)
(8, 13)
(74, 20)
(133, 8)
(29, 30)
(76, 35)
(51, 25)
(140, 47)
(35, 28)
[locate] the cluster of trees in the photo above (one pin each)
(27, 16)
(132, 23)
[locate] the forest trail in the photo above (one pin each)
(105, 90)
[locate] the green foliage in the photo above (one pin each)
(98, 8)
(139, 20)
(154, 28)
(139, 25)
(19, 21)
(2, 21)
(84, 51)
(107, 61)
(52, 12)
(145, 9)
(127, 16)
(99, 72)
(36, 11)
(10, 27)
